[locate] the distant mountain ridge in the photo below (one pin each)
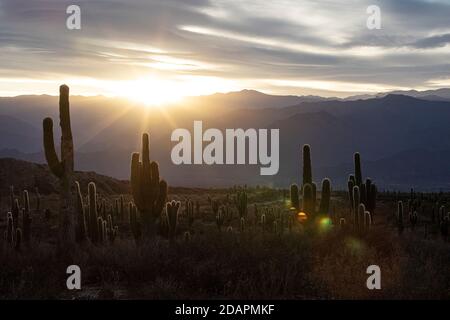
(107, 130)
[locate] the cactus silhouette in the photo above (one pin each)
(307, 169)
(308, 204)
(93, 228)
(324, 207)
(400, 226)
(26, 219)
(62, 168)
(172, 209)
(358, 174)
(149, 192)
(81, 229)
(295, 202)
(241, 203)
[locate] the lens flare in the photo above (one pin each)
(302, 217)
(325, 224)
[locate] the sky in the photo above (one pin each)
(159, 50)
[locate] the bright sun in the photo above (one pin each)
(151, 92)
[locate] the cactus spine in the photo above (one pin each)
(62, 169)
(149, 192)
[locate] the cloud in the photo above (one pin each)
(247, 42)
(433, 42)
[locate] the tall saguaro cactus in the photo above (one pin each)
(149, 192)
(307, 169)
(62, 169)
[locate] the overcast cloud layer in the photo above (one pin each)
(285, 46)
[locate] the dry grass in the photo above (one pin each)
(307, 263)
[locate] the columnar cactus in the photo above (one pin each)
(242, 225)
(215, 206)
(15, 213)
(190, 212)
(263, 222)
(295, 202)
(93, 214)
(367, 220)
(134, 222)
(9, 232)
(220, 217)
(413, 219)
(38, 199)
(81, 228)
(360, 216)
(241, 203)
(149, 192)
(18, 240)
(172, 208)
(444, 227)
(62, 169)
(325, 199)
(350, 185)
(314, 195)
(307, 203)
(358, 174)
(307, 169)
(111, 229)
(400, 226)
(26, 219)
(356, 202)
(371, 197)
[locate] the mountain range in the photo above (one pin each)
(403, 137)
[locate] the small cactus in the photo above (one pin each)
(134, 223)
(220, 217)
(263, 222)
(81, 229)
(400, 226)
(444, 227)
(413, 219)
(242, 225)
(93, 229)
(241, 203)
(18, 240)
(307, 204)
(9, 232)
(172, 209)
(295, 202)
(325, 199)
(190, 213)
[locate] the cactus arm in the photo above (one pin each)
(49, 147)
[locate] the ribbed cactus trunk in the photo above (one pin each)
(307, 169)
(358, 173)
(63, 169)
(149, 192)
